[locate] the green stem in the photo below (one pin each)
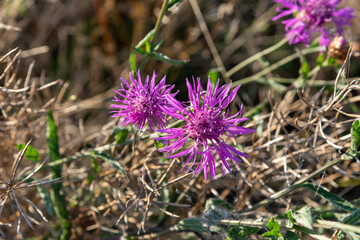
(274, 66)
(254, 57)
(158, 22)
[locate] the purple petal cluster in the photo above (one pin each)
(207, 126)
(310, 16)
(140, 103)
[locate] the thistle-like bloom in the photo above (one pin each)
(310, 16)
(141, 103)
(207, 126)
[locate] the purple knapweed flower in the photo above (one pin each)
(207, 126)
(311, 16)
(141, 103)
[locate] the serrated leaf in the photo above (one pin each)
(302, 217)
(192, 224)
(332, 198)
(355, 141)
(164, 58)
(110, 160)
(31, 153)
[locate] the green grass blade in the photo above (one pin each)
(56, 191)
(330, 197)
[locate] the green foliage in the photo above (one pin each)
(214, 75)
(274, 230)
(305, 68)
(301, 217)
(320, 60)
(56, 192)
(31, 153)
(107, 158)
(45, 196)
(191, 224)
(120, 133)
(240, 233)
(332, 198)
(162, 57)
(355, 141)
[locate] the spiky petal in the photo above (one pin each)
(207, 126)
(139, 103)
(310, 16)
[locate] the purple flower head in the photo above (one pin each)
(310, 16)
(141, 103)
(207, 126)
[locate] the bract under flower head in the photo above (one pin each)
(207, 126)
(312, 16)
(141, 103)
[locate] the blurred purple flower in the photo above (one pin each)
(141, 103)
(207, 126)
(310, 16)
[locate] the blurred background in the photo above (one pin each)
(79, 49)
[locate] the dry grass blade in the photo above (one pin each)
(33, 172)
(17, 161)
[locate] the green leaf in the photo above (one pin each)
(172, 3)
(355, 141)
(148, 47)
(45, 196)
(145, 39)
(157, 46)
(121, 134)
(302, 217)
(159, 144)
(56, 192)
(274, 229)
(192, 224)
(353, 218)
(132, 61)
(305, 68)
(164, 58)
(110, 160)
(31, 153)
(216, 209)
(140, 50)
(320, 60)
(273, 225)
(132, 58)
(335, 200)
(329, 61)
(214, 76)
(291, 235)
(239, 233)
